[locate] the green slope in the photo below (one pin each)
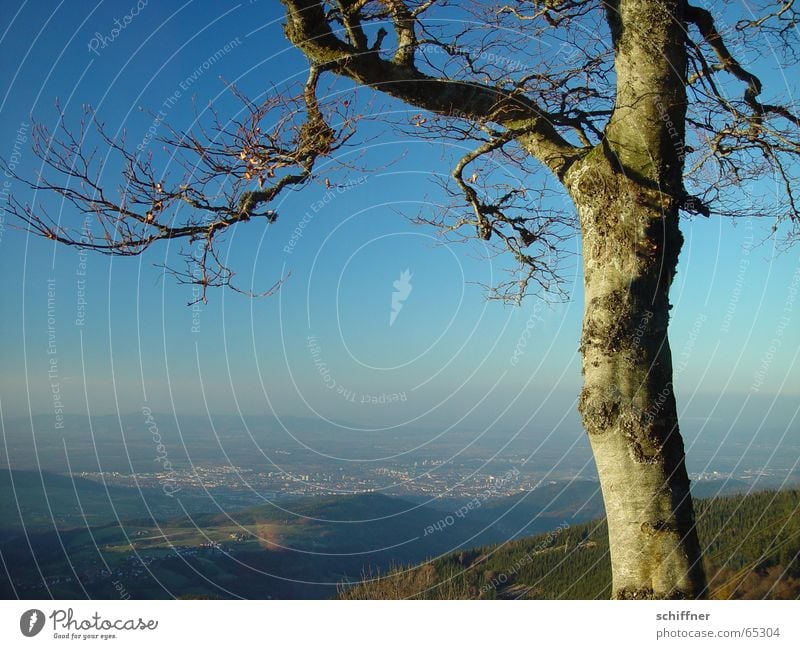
(752, 550)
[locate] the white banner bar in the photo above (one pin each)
(400, 625)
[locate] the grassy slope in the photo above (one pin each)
(752, 547)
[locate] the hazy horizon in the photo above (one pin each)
(380, 323)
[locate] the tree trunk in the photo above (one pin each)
(627, 191)
(631, 243)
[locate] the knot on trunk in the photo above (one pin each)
(649, 593)
(635, 593)
(614, 323)
(598, 411)
(644, 446)
(659, 527)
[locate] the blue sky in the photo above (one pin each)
(447, 357)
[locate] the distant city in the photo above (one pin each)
(426, 478)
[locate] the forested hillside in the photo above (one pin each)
(751, 545)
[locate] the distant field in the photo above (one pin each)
(255, 552)
(98, 541)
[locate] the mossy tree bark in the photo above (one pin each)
(627, 193)
(631, 243)
(627, 190)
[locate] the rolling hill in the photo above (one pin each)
(300, 549)
(752, 550)
(100, 542)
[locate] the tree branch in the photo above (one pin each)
(274, 147)
(704, 22)
(308, 28)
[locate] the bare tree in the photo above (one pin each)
(636, 110)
